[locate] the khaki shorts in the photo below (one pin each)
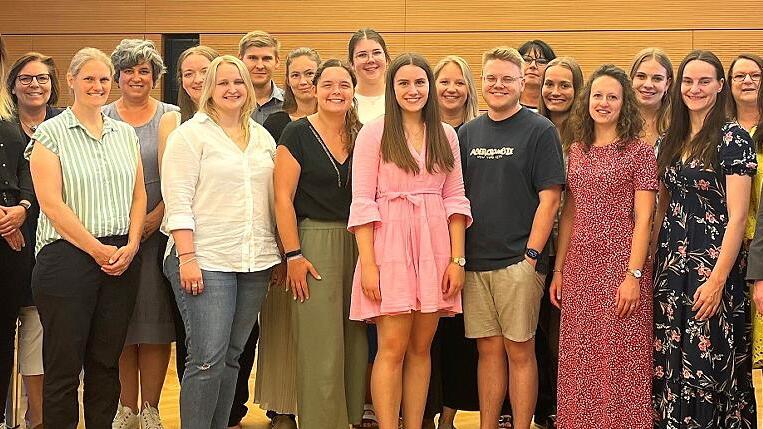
(503, 302)
(30, 342)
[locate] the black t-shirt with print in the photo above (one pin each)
(506, 164)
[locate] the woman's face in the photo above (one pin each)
(700, 86)
(35, 93)
(411, 88)
(535, 65)
(335, 91)
(651, 83)
(606, 100)
(193, 71)
(92, 85)
(452, 89)
(301, 73)
(136, 82)
(745, 81)
(558, 91)
(229, 94)
(369, 61)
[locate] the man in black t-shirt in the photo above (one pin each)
(514, 174)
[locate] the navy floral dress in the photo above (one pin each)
(703, 370)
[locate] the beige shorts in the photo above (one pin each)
(503, 302)
(30, 342)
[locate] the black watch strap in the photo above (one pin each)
(532, 254)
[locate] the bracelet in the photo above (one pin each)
(186, 253)
(557, 271)
(293, 253)
(185, 262)
(291, 258)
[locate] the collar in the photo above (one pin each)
(72, 121)
(275, 93)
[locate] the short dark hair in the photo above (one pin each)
(537, 45)
(13, 74)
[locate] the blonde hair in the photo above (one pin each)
(504, 53)
(258, 39)
(6, 104)
(471, 109)
(207, 105)
(84, 56)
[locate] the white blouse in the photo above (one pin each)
(223, 194)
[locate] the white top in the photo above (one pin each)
(223, 194)
(369, 108)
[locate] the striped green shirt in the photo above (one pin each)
(98, 176)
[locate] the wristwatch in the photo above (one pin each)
(635, 272)
(26, 204)
(459, 260)
(532, 254)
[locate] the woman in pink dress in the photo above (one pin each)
(409, 214)
(602, 282)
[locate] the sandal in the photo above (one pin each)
(368, 421)
(504, 422)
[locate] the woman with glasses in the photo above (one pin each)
(33, 84)
(369, 56)
(537, 55)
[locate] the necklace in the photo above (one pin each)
(331, 158)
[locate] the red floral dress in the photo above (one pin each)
(605, 362)
(702, 370)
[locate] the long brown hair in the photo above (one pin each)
(394, 148)
(351, 122)
(663, 113)
(187, 107)
(566, 133)
(630, 124)
(289, 102)
(678, 141)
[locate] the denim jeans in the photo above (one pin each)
(217, 324)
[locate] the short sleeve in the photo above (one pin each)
(548, 165)
(645, 168)
(454, 198)
(45, 137)
(291, 140)
(736, 151)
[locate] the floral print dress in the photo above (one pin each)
(703, 369)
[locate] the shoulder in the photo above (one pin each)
(374, 127)
(276, 118)
(123, 129)
(165, 108)
(56, 124)
(476, 123)
(732, 131)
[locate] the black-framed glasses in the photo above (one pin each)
(26, 79)
(539, 61)
(740, 77)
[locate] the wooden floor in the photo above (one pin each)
(256, 418)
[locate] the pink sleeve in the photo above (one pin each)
(645, 173)
(453, 194)
(365, 173)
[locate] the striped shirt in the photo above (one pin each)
(98, 175)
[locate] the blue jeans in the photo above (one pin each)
(217, 325)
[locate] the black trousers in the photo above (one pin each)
(246, 362)
(84, 313)
(15, 271)
(547, 354)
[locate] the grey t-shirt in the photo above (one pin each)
(506, 164)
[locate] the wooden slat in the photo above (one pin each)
(560, 15)
(63, 47)
(276, 16)
(72, 16)
(727, 44)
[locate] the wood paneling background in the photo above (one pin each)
(593, 31)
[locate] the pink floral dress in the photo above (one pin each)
(410, 214)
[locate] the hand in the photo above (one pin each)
(532, 262)
(757, 295)
(627, 297)
(15, 240)
(555, 290)
(120, 260)
(152, 223)
(296, 274)
(707, 298)
(102, 254)
(13, 219)
(278, 275)
(191, 280)
(453, 280)
(369, 281)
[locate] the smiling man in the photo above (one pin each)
(513, 173)
(259, 51)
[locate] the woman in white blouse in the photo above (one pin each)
(218, 191)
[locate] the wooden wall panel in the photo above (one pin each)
(564, 15)
(727, 44)
(277, 16)
(73, 16)
(63, 47)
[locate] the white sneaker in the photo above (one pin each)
(149, 418)
(125, 419)
(3, 426)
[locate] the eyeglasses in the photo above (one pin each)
(740, 77)
(539, 61)
(364, 56)
(506, 80)
(26, 79)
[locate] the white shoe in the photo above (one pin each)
(3, 426)
(125, 419)
(149, 418)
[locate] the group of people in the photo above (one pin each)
(582, 255)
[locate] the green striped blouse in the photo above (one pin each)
(98, 175)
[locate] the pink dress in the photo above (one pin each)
(411, 238)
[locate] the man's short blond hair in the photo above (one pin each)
(504, 53)
(258, 39)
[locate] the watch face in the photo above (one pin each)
(460, 261)
(532, 254)
(637, 274)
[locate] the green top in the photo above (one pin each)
(98, 175)
(757, 184)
